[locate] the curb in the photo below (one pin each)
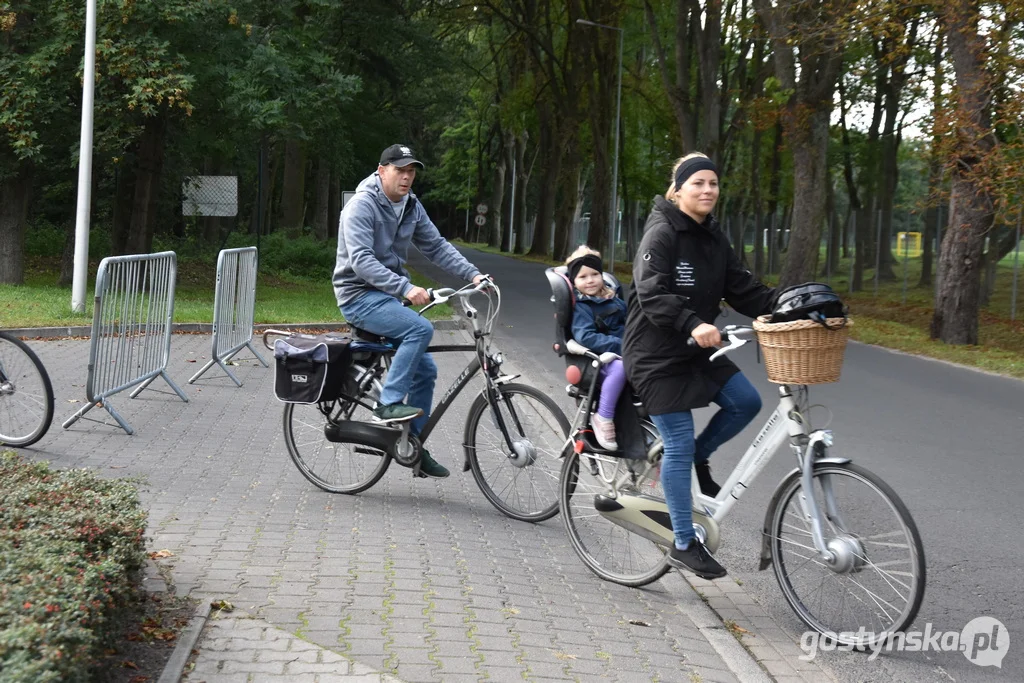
(175, 666)
(202, 328)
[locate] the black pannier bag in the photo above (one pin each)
(311, 368)
(810, 301)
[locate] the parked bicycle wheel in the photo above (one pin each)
(521, 481)
(26, 395)
(877, 582)
(611, 551)
(334, 467)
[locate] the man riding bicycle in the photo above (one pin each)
(377, 226)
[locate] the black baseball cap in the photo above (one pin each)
(399, 155)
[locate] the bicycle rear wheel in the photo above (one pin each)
(609, 550)
(26, 395)
(522, 481)
(334, 467)
(877, 584)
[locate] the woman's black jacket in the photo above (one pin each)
(681, 273)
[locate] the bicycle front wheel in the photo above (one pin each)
(334, 467)
(876, 584)
(26, 395)
(520, 479)
(609, 550)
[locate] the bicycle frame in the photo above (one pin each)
(787, 421)
(484, 359)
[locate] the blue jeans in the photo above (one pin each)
(413, 372)
(739, 403)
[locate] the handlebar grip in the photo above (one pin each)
(691, 342)
(430, 293)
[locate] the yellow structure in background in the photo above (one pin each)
(908, 244)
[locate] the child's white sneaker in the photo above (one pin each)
(604, 432)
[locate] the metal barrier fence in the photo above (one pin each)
(131, 329)
(233, 305)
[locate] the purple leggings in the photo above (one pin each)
(613, 378)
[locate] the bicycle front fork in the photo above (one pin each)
(816, 451)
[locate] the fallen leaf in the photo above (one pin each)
(637, 622)
(73, 400)
(160, 554)
(129, 665)
(222, 605)
(190, 360)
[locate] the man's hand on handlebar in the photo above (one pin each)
(418, 296)
(706, 336)
(477, 279)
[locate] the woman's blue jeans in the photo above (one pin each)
(413, 371)
(739, 403)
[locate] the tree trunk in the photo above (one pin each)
(931, 216)
(149, 166)
(808, 141)
(497, 201)
(293, 189)
(14, 201)
(322, 210)
(678, 89)
(709, 43)
(970, 205)
(522, 179)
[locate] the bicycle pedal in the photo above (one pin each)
(394, 420)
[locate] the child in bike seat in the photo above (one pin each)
(598, 322)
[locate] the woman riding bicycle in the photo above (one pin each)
(684, 268)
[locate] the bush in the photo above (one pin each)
(73, 548)
(303, 256)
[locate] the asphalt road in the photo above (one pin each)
(947, 439)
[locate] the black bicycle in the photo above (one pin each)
(513, 436)
(26, 395)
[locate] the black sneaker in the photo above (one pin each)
(395, 412)
(697, 559)
(430, 467)
(707, 485)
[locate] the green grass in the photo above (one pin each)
(279, 299)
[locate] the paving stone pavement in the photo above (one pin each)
(413, 580)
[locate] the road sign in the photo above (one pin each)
(481, 209)
(481, 220)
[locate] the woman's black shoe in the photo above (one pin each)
(697, 559)
(707, 485)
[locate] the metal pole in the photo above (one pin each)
(469, 201)
(1016, 267)
(878, 249)
(853, 236)
(906, 253)
(81, 263)
(938, 249)
(615, 165)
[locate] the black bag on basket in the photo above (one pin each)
(311, 368)
(810, 301)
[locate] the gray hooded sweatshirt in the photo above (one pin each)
(373, 246)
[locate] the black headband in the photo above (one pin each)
(589, 260)
(691, 166)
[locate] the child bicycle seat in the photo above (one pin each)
(579, 369)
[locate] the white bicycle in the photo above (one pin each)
(844, 548)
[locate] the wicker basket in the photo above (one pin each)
(802, 351)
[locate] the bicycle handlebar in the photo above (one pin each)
(737, 336)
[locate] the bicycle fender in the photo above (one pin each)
(766, 531)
